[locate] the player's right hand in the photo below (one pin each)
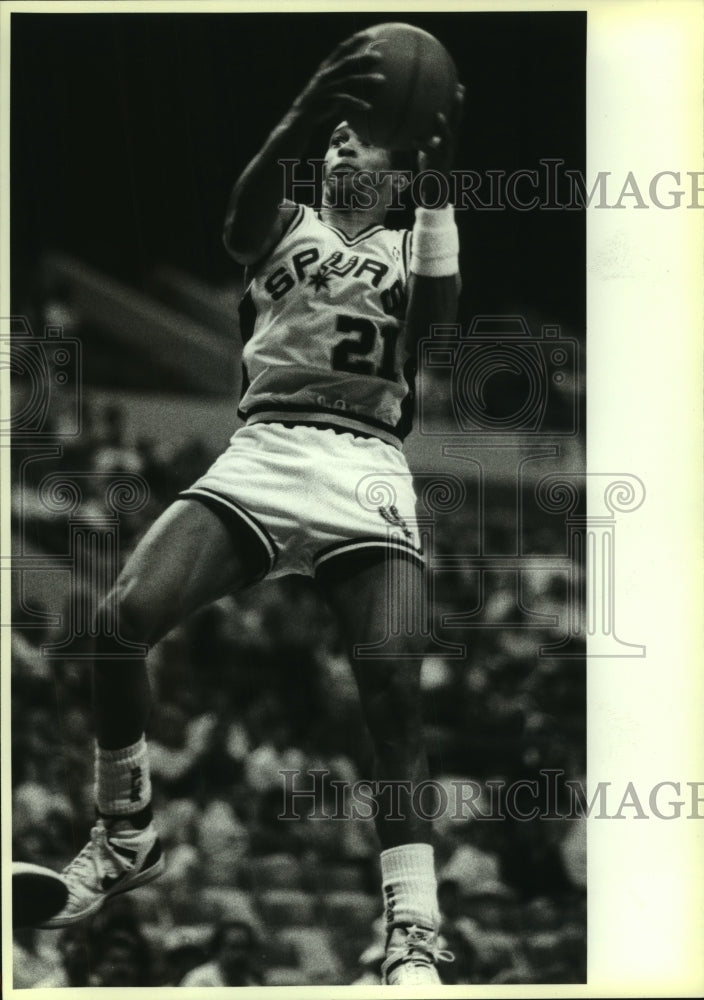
(436, 152)
(345, 81)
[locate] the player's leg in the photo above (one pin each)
(190, 556)
(388, 678)
(376, 600)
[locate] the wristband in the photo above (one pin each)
(436, 243)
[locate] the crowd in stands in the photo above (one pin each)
(254, 685)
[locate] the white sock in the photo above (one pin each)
(122, 782)
(409, 886)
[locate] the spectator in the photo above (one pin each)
(510, 711)
(75, 958)
(460, 934)
(233, 961)
(184, 950)
(33, 959)
(181, 886)
(224, 844)
(370, 965)
(124, 960)
(177, 747)
(112, 453)
(275, 754)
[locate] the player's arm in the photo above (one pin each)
(430, 301)
(434, 281)
(257, 214)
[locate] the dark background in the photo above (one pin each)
(129, 130)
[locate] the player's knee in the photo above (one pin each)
(392, 706)
(397, 656)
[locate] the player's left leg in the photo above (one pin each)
(375, 597)
(191, 555)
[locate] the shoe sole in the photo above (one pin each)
(151, 873)
(405, 977)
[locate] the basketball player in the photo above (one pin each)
(334, 306)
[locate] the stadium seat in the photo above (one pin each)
(287, 907)
(187, 936)
(274, 950)
(149, 904)
(315, 954)
(223, 867)
(342, 877)
(349, 943)
(230, 904)
(187, 907)
(283, 976)
(277, 871)
(155, 935)
(351, 909)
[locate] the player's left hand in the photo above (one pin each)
(437, 151)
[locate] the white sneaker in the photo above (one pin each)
(116, 859)
(412, 954)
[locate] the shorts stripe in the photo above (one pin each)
(282, 413)
(342, 548)
(406, 250)
(234, 508)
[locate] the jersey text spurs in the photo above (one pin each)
(322, 321)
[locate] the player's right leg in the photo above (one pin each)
(190, 556)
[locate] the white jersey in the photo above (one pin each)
(322, 321)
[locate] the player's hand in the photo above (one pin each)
(437, 151)
(345, 81)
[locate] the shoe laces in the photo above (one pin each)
(95, 859)
(420, 946)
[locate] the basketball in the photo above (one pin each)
(421, 79)
(38, 894)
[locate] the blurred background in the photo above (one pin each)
(127, 132)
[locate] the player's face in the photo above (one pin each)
(346, 148)
(347, 154)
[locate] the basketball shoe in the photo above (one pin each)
(412, 955)
(117, 858)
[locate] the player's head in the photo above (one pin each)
(233, 947)
(358, 174)
(346, 148)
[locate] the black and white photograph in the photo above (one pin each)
(314, 563)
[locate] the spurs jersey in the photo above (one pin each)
(322, 321)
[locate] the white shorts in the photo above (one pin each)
(311, 494)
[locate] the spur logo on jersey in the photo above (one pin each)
(336, 265)
(392, 516)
